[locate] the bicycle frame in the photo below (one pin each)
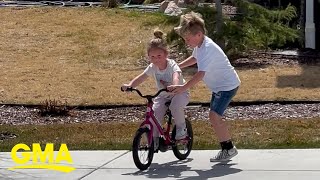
(165, 141)
(150, 119)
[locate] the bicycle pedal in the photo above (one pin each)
(182, 141)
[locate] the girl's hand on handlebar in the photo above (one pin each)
(124, 87)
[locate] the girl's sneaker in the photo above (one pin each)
(225, 155)
(181, 134)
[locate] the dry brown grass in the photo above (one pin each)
(83, 55)
(284, 133)
(271, 83)
(67, 53)
(280, 83)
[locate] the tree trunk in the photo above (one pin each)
(302, 20)
(219, 20)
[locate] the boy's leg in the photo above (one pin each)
(178, 103)
(219, 104)
(220, 126)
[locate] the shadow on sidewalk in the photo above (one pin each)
(179, 169)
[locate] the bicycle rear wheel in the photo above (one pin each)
(182, 149)
(142, 151)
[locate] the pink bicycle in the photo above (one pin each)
(143, 143)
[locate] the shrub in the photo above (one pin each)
(53, 108)
(151, 1)
(266, 28)
(110, 3)
(254, 28)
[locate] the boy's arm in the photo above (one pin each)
(188, 62)
(176, 78)
(194, 80)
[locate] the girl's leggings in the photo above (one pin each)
(178, 103)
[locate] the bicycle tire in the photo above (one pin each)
(175, 149)
(136, 148)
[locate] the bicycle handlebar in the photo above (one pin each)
(145, 96)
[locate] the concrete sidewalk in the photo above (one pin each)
(293, 164)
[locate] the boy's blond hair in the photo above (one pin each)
(191, 23)
(158, 41)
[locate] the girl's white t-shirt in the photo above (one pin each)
(164, 75)
(219, 73)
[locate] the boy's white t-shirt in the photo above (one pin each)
(219, 73)
(164, 75)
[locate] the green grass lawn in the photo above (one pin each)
(251, 134)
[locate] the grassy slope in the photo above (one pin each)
(83, 55)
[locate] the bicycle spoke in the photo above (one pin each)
(144, 157)
(144, 149)
(183, 148)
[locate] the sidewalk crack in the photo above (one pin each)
(104, 164)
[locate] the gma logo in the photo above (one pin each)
(52, 163)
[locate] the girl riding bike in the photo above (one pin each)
(166, 72)
(143, 145)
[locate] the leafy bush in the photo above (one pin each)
(266, 28)
(151, 1)
(253, 28)
(110, 3)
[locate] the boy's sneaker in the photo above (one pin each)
(181, 134)
(225, 155)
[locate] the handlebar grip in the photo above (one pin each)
(128, 89)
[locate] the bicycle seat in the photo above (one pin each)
(168, 103)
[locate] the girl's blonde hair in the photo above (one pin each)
(191, 23)
(158, 41)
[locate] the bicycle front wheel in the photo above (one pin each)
(142, 151)
(182, 149)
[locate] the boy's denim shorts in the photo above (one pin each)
(221, 100)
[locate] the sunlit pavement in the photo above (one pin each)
(282, 164)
